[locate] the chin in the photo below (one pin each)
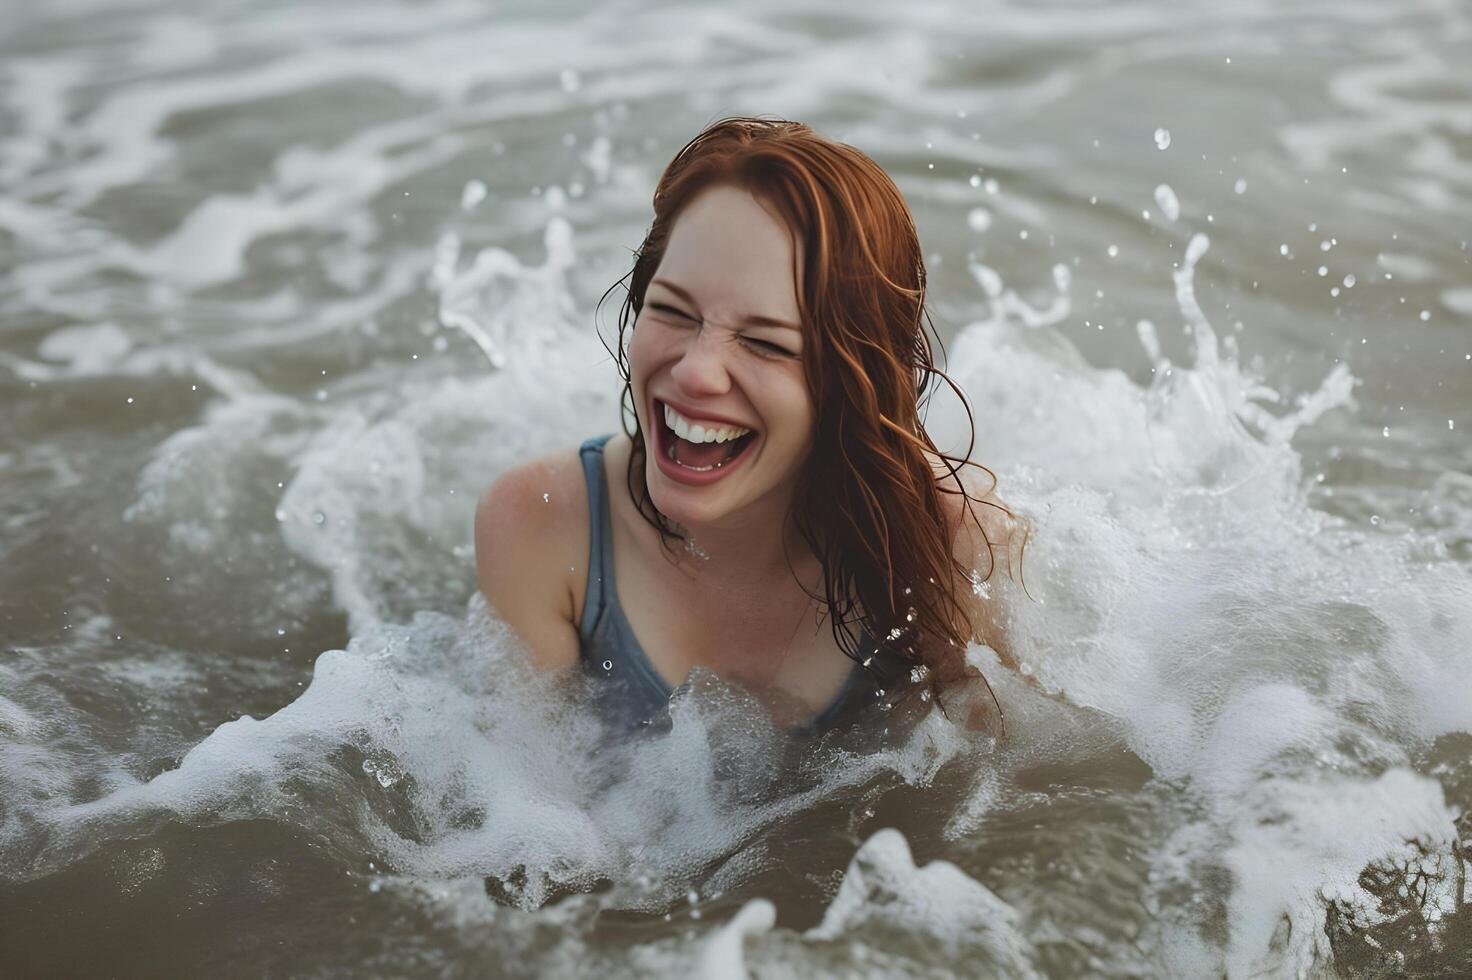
(678, 503)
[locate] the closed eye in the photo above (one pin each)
(766, 348)
(662, 308)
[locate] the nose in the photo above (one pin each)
(701, 370)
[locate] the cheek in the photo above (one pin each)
(641, 361)
(647, 345)
(796, 408)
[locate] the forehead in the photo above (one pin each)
(733, 254)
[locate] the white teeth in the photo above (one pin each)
(693, 432)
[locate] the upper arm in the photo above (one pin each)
(525, 524)
(988, 545)
(987, 542)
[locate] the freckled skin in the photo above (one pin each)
(738, 610)
(734, 258)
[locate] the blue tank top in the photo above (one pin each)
(631, 693)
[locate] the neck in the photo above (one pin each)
(747, 551)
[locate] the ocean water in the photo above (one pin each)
(283, 287)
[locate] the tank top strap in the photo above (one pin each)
(600, 547)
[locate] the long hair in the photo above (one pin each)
(868, 500)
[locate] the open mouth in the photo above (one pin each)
(693, 452)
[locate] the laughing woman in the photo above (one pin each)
(778, 514)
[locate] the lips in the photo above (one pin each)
(714, 463)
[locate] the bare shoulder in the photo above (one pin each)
(988, 541)
(531, 537)
(985, 533)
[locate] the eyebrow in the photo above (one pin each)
(755, 321)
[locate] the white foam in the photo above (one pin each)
(1297, 840)
(373, 484)
(1410, 268)
(86, 349)
(1458, 300)
(887, 902)
(427, 742)
(1182, 585)
(723, 957)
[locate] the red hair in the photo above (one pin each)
(868, 499)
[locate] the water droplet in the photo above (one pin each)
(1162, 138)
(975, 181)
(1113, 251)
(1169, 204)
(608, 665)
(1323, 270)
(979, 219)
(546, 498)
(473, 194)
(1283, 249)
(1375, 519)
(1385, 432)
(280, 514)
(1240, 187)
(319, 518)
(991, 185)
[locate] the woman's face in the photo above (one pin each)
(717, 345)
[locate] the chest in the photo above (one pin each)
(718, 627)
(765, 635)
